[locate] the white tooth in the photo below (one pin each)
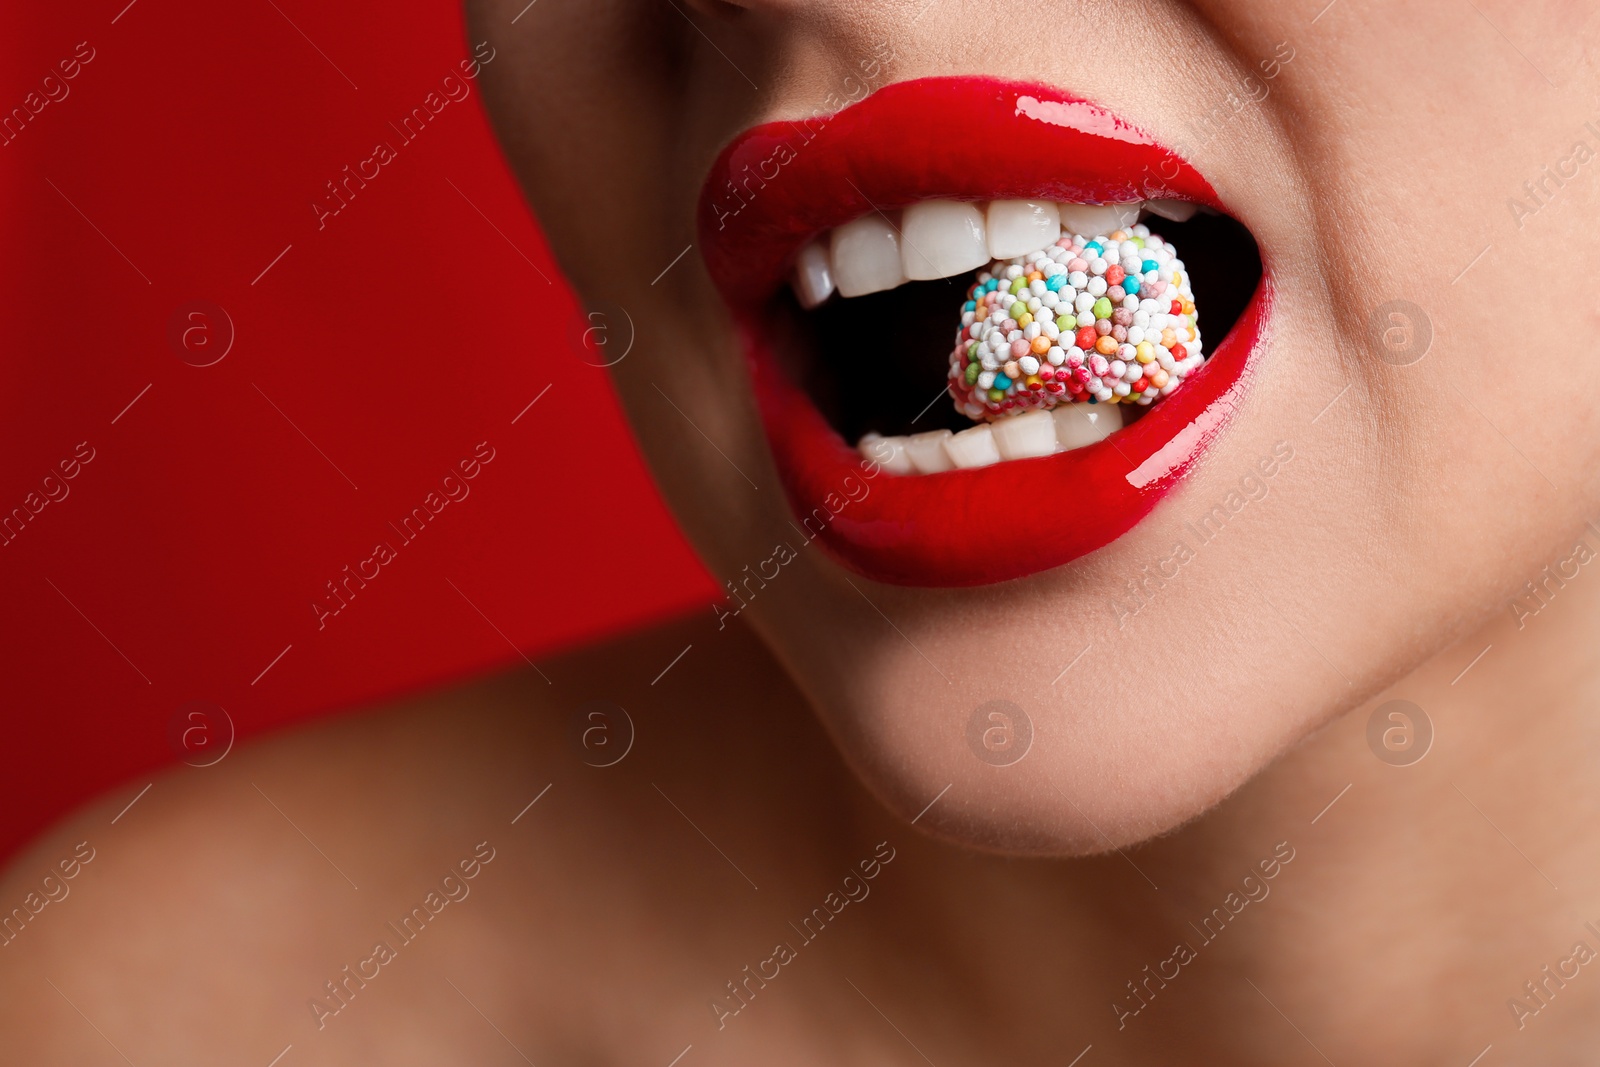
(866, 256)
(927, 451)
(813, 275)
(1097, 220)
(1024, 436)
(939, 238)
(887, 452)
(1017, 227)
(972, 448)
(1175, 210)
(1084, 424)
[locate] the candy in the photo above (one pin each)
(1107, 319)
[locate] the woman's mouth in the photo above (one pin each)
(853, 249)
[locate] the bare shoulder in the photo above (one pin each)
(207, 920)
(377, 887)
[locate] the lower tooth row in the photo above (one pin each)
(1035, 433)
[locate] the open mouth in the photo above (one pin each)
(971, 311)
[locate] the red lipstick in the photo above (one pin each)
(782, 183)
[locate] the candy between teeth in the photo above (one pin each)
(1104, 320)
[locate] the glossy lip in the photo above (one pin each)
(782, 183)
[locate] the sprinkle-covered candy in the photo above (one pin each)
(1107, 320)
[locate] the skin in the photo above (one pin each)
(1382, 560)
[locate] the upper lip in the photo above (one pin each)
(780, 184)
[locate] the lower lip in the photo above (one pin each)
(1010, 520)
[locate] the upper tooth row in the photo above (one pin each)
(1035, 433)
(939, 238)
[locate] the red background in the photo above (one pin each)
(414, 325)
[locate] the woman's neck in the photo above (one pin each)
(1418, 880)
